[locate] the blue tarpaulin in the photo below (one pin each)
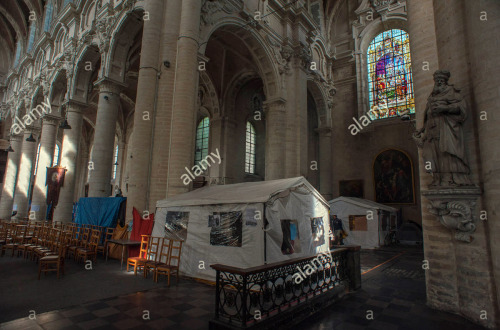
(100, 211)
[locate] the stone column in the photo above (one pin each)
(70, 146)
(275, 138)
(325, 162)
(47, 146)
(184, 104)
(25, 172)
(11, 173)
(482, 26)
(170, 35)
(140, 144)
(104, 138)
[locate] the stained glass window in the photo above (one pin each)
(390, 80)
(115, 162)
(37, 156)
(202, 133)
(31, 39)
(48, 16)
(250, 149)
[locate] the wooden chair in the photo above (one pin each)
(23, 248)
(51, 263)
(90, 250)
(163, 257)
(107, 236)
(143, 253)
(173, 263)
(17, 238)
(152, 256)
(81, 241)
(4, 234)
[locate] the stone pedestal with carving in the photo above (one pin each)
(455, 208)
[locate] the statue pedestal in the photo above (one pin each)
(455, 208)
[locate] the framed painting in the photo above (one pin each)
(393, 178)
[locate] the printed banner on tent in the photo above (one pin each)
(227, 230)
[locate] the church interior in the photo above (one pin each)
(359, 135)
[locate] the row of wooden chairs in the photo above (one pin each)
(160, 255)
(50, 243)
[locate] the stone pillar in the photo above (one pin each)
(104, 138)
(70, 146)
(325, 162)
(11, 173)
(159, 173)
(275, 138)
(140, 144)
(482, 26)
(184, 105)
(47, 146)
(25, 172)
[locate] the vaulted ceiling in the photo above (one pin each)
(14, 26)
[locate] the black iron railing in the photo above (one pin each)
(245, 297)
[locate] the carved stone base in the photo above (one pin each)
(455, 208)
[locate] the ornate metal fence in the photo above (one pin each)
(246, 296)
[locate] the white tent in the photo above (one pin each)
(366, 222)
(225, 224)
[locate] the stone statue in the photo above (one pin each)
(441, 137)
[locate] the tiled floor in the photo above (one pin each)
(393, 290)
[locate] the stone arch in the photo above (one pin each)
(210, 101)
(236, 84)
(320, 98)
(87, 55)
(88, 14)
(58, 90)
(122, 40)
(256, 44)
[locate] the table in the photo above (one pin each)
(123, 243)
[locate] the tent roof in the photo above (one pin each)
(248, 192)
(363, 203)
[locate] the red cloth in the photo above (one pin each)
(140, 227)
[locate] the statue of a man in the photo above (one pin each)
(442, 135)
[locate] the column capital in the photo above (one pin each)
(75, 106)
(107, 85)
(325, 130)
(32, 129)
(51, 119)
(274, 105)
(16, 137)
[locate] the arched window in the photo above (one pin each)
(57, 154)
(48, 16)
(202, 133)
(31, 38)
(36, 161)
(18, 53)
(115, 162)
(250, 149)
(390, 82)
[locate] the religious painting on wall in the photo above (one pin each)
(351, 188)
(390, 83)
(393, 178)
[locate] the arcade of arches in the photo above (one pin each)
(150, 87)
